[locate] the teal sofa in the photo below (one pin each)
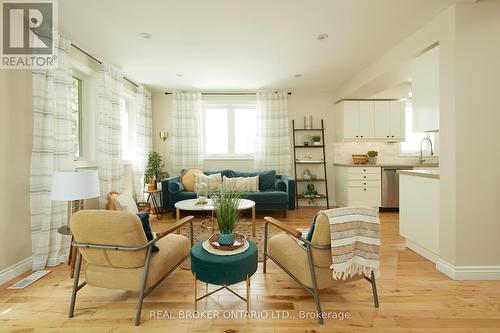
(276, 192)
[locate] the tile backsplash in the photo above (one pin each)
(388, 152)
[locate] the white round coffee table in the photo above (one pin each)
(190, 204)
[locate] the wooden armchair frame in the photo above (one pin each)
(149, 245)
(314, 291)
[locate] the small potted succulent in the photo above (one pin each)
(226, 210)
(372, 157)
(316, 140)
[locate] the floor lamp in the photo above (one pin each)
(73, 186)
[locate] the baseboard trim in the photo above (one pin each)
(468, 272)
(427, 254)
(15, 270)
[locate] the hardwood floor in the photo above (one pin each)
(414, 297)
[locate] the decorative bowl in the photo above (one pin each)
(239, 241)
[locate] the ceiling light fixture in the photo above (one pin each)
(322, 36)
(179, 75)
(145, 35)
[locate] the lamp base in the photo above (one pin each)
(64, 230)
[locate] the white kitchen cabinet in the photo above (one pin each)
(358, 186)
(370, 121)
(350, 115)
(397, 120)
(382, 120)
(425, 90)
(366, 128)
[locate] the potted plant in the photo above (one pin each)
(226, 211)
(372, 157)
(310, 193)
(155, 170)
(316, 140)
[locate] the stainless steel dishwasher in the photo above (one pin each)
(390, 186)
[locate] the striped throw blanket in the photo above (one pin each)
(355, 236)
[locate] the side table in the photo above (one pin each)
(222, 270)
(157, 207)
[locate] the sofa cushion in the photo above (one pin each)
(280, 186)
(187, 178)
(266, 178)
(266, 197)
(226, 172)
(175, 187)
(213, 181)
(242, 184)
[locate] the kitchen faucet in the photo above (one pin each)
(422, 159)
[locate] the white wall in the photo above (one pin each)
(319, 105)
(477, 89)
(16, 128)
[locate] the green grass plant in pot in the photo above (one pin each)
(372, 157)
(225, 203)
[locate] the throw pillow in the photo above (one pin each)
(242, 184)
(187, 178)
(213, 181)
(144, 217)
(125, 202)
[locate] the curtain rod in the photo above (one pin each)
(226, 93)
(100, 63)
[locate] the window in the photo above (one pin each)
(76, 108)
(127, 130)
(229, 129)
(411, 145)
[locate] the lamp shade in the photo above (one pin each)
(74, 185)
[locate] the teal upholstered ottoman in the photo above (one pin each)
(222, 270)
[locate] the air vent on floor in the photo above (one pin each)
(29, 280)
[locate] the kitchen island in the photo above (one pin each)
(419, 211)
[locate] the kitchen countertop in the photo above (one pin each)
(393, 165)
(420, 173)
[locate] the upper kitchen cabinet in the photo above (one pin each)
(370, 121)
(355, 120)
(425, 89)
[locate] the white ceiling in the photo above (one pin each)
(242, 44)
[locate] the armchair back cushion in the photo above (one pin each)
(321, 236)
(109, 227)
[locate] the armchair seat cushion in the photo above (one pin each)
(173, 248)
(293, 257)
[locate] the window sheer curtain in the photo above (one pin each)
(273, 149)
(143, 139)
(109, 150)
(52, 150)
(186, 146)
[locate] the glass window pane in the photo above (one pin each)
(412, 139)
(216, 131)
(76, 108)
(245, 122)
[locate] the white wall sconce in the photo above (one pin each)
(163, 135)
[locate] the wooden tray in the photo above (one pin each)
(239, 241)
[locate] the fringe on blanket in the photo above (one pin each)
(352, 270)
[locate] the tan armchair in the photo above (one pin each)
(308, 264)
(118, 255)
